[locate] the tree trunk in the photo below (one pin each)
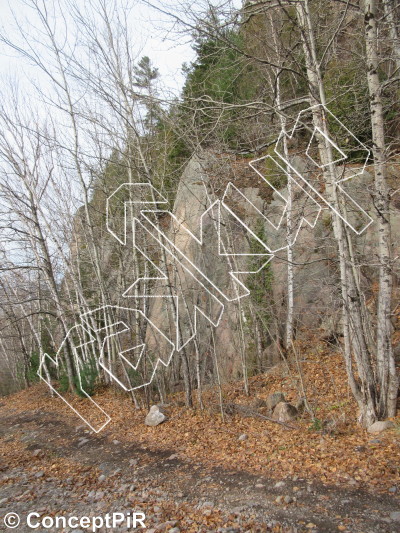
(355, 327)
(386, 371)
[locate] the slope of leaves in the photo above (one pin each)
(329, 447)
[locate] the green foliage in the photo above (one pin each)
(86, 380)
(260, 283)
(260, 286)
(276, 177)
(145, 73)
(348, 80)
(338, 405)
(176, 151)
(219, 76)
(63, 382)
(134, 377)
(28, 371)
(215, 70)
(316, 425)
(31, 372)
(114, 173)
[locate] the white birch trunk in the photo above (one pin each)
(354, 319)
(386, 371)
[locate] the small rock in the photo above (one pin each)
(310, 525)
(155, 416)
(360, 449)
(288, 499)
(174, 530)
(284, 412)
(380, 426)
(279, 484)
(82, 442)
(164, 525)
(279, 499)
(375, 441)
(260, 486)
(116, 442)
(243, 437)
(36, 452)
(101, 478)
(393, 490)
(3, 501)
(39, 474)
(395, 516)
(208, 504)
(273, 400)
(238, 510)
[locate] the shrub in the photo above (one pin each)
(85, 381)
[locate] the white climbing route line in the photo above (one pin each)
(137, 206)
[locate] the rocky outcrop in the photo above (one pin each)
(317, 300)
(316, 296)
(202, 182)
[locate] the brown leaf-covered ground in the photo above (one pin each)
(334, 475)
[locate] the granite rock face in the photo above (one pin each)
(317, 301)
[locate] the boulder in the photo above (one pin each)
(273, 400)
(380, 426)
(155, 416)
(284, 412)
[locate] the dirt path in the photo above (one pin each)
(53, 468)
